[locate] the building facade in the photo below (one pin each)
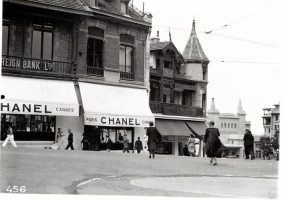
(178, 89)
(76, 65)
(271, 120)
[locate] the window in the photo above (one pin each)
(125, 58)
(227, 125)
(123, 7)
(5, 37)
(158, 65)
(42, 47)
(221, 125)
(126, 52)
(235, 125)
(204, 101)
(231, 125)
(154, 93)
(276, 117)
(224, 125)
(204, 74)
(94, 56)
(167, 64)
(30, 127)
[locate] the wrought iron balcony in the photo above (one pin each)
(97, 71)
(22, 64)
(127, 75)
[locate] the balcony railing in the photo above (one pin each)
(127, 75)
(95, 71)
(168, 72)
(36, 65)
(182, 76)
(156, 107)
(174, 109)
(155, 71)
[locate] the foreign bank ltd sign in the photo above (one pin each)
(8, 107)
(119, 121)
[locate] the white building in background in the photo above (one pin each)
(271, 120)
(232, 129)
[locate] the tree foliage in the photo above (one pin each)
(266, 146)
(275, 141)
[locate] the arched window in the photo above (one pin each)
(221, 125)
(231, 125)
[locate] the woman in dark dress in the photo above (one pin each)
(85, 142)
(212, 142)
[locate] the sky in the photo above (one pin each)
(243, 48)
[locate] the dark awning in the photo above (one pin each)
(198, 128)
(173, 130)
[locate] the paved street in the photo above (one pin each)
(44, 171)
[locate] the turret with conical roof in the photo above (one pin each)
(196, 60)
(193, 51)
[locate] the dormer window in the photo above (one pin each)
(123, 7)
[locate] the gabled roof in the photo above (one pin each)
(193, 50)
(164, 46)
(82, 7)
(72, 5)
(159, 45)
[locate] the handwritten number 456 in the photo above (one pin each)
(16, 189)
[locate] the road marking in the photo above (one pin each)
(88, 181)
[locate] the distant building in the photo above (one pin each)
(271, 120)
(232, 129)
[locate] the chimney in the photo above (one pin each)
(156, 39)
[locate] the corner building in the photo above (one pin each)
(178, 89)
(75, 65)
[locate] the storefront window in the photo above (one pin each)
(113, 133)
(29, 127)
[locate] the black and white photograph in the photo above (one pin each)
(141, 99)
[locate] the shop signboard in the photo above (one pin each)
(174, 138)
(10, 107)
(118, 121)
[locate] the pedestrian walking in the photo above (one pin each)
(59, 140)
(212, 143)
(248, 144)
(9, 137)
(70, 140)
(125, 144)
(138, 145)
(152, 139)
(108, 143)
(85, 142)
(197, 146)
(191, 145)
